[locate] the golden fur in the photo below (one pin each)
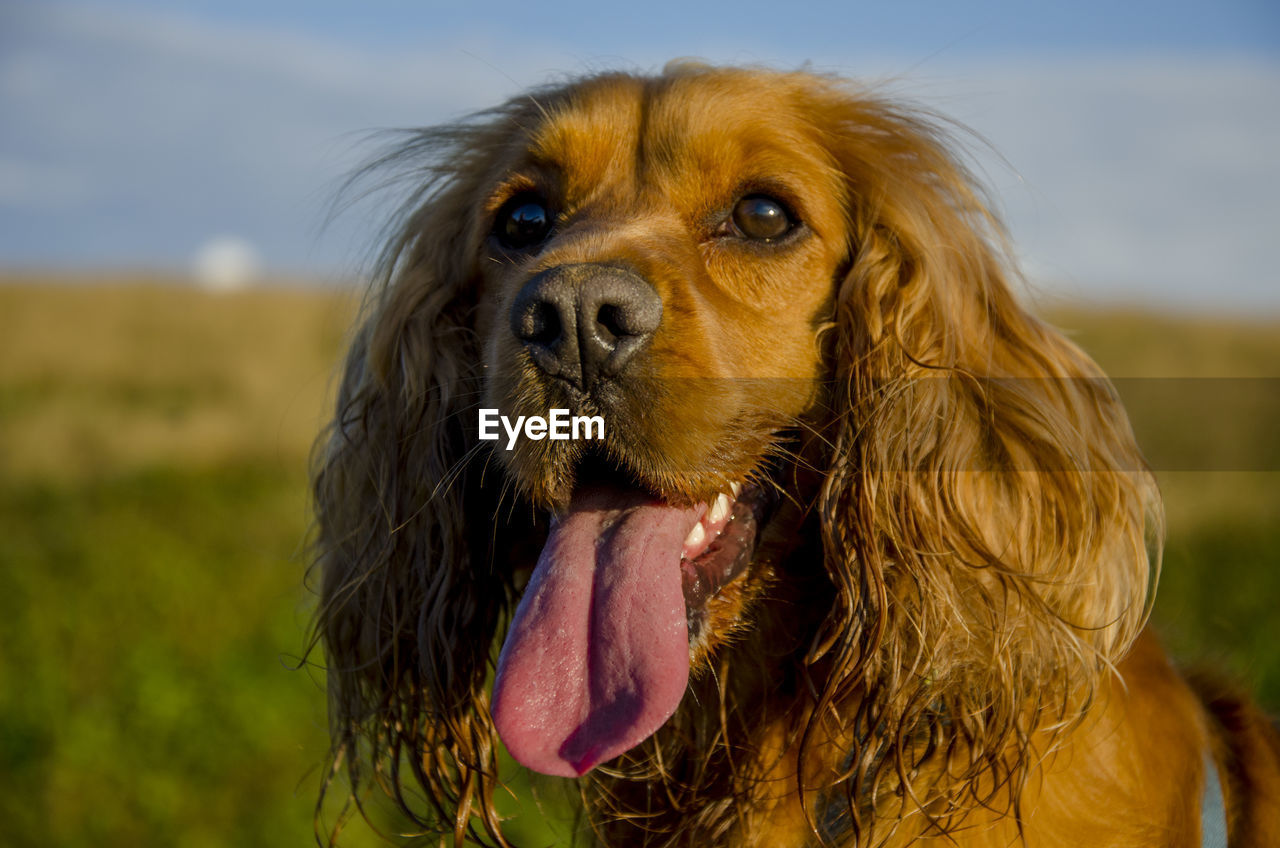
(940, 637)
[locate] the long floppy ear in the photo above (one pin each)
(986, 513)
(410, 593)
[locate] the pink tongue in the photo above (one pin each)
(597, 658)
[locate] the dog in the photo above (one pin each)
(858, 553)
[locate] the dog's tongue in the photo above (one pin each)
(597, 658)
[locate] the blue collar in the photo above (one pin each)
(1213, 810)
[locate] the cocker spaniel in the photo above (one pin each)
(849, 549)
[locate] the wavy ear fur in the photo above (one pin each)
(986, 513)
(410, 593)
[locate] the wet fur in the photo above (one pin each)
(941, 638)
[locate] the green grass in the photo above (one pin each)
(149, 623)
(153, 514)
(152, 690)
(1220, 590)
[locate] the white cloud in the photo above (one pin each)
(1153, 178)
(153, 130)
(226, 263)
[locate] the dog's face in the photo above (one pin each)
(662, 256)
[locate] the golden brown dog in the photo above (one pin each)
(863, 555)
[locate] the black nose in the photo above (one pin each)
(584, 322)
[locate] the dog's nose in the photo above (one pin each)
(584, 322)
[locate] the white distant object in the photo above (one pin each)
(227, 263)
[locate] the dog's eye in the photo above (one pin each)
(523, 222)
(760, 217)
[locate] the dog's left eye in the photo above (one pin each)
(762, 218)
(523, 222)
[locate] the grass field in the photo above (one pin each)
(153, 511)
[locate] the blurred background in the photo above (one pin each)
(175, 294)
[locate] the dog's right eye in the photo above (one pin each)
(760, 217)
(523, 222)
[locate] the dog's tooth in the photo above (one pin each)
(720, 509)
(736, 488)
(696, 536)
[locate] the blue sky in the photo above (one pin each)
(1137, 141)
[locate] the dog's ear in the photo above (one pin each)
(410, 594)
(986, 512)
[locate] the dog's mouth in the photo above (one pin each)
(721, 546)
(598, 653)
